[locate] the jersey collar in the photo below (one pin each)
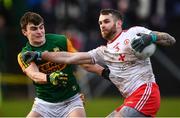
(112, 40)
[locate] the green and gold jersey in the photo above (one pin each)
(49, 92)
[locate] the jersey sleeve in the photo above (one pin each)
(70, 47)
(97, 54)
(139, 29)
(132, 32)
(22, 64)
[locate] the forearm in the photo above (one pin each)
(98, 69)
(67, 57)
(164, 39)
(37, 77)
(33, 73)
(95, 68)
(55, 57)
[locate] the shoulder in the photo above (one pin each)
(21, 62)
(24, 49)
(55, 36)
(134, 28)
(19, 56)
(137, 29)
(56, 39)
(99, 49)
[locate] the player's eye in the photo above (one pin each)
(106, 21)
(41, 27)
(33, 28)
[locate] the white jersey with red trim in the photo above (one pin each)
(127, 71)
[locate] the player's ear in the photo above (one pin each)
(119, 23)
(23, 32)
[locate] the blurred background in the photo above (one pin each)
(79, 19)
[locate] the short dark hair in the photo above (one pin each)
(114, 12)
(30, 17)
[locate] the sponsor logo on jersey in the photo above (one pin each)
(50, 67)
(56, 49)
(74, 88)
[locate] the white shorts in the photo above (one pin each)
(60, 109)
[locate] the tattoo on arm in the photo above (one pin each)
(164, 39)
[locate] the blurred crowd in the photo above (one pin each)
(79, 20)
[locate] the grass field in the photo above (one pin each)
(99, 107)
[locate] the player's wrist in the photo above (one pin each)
(48, 78)
(51, 80)
(153, 37)
(105, 73)
(38, 55)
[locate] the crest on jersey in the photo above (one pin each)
(126, 41)
(56, 49)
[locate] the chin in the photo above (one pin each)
(103, 35)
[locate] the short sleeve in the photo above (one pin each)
(139, 29)
(70, 47)
(21, 62)
(97, 54)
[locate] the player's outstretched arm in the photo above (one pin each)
(164, 39)
(67, 57)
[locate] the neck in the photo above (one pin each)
(114, 37)
(38, 44)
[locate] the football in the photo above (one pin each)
(147, 51)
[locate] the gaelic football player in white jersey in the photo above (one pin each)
(132, 76)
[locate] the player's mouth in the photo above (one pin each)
(39, 36)
(104, 31)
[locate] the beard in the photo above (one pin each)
(109, 34)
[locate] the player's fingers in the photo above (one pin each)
(28, 61)
(140, 34)
(135, 44)
(141, 48)
(138, 48)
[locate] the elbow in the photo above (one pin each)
(170, 40)
(39, 79)
(34, 78)
(166, 39)
(173, 40)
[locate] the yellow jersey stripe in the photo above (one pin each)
(21, 62)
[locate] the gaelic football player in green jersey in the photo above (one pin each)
(57, 91)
